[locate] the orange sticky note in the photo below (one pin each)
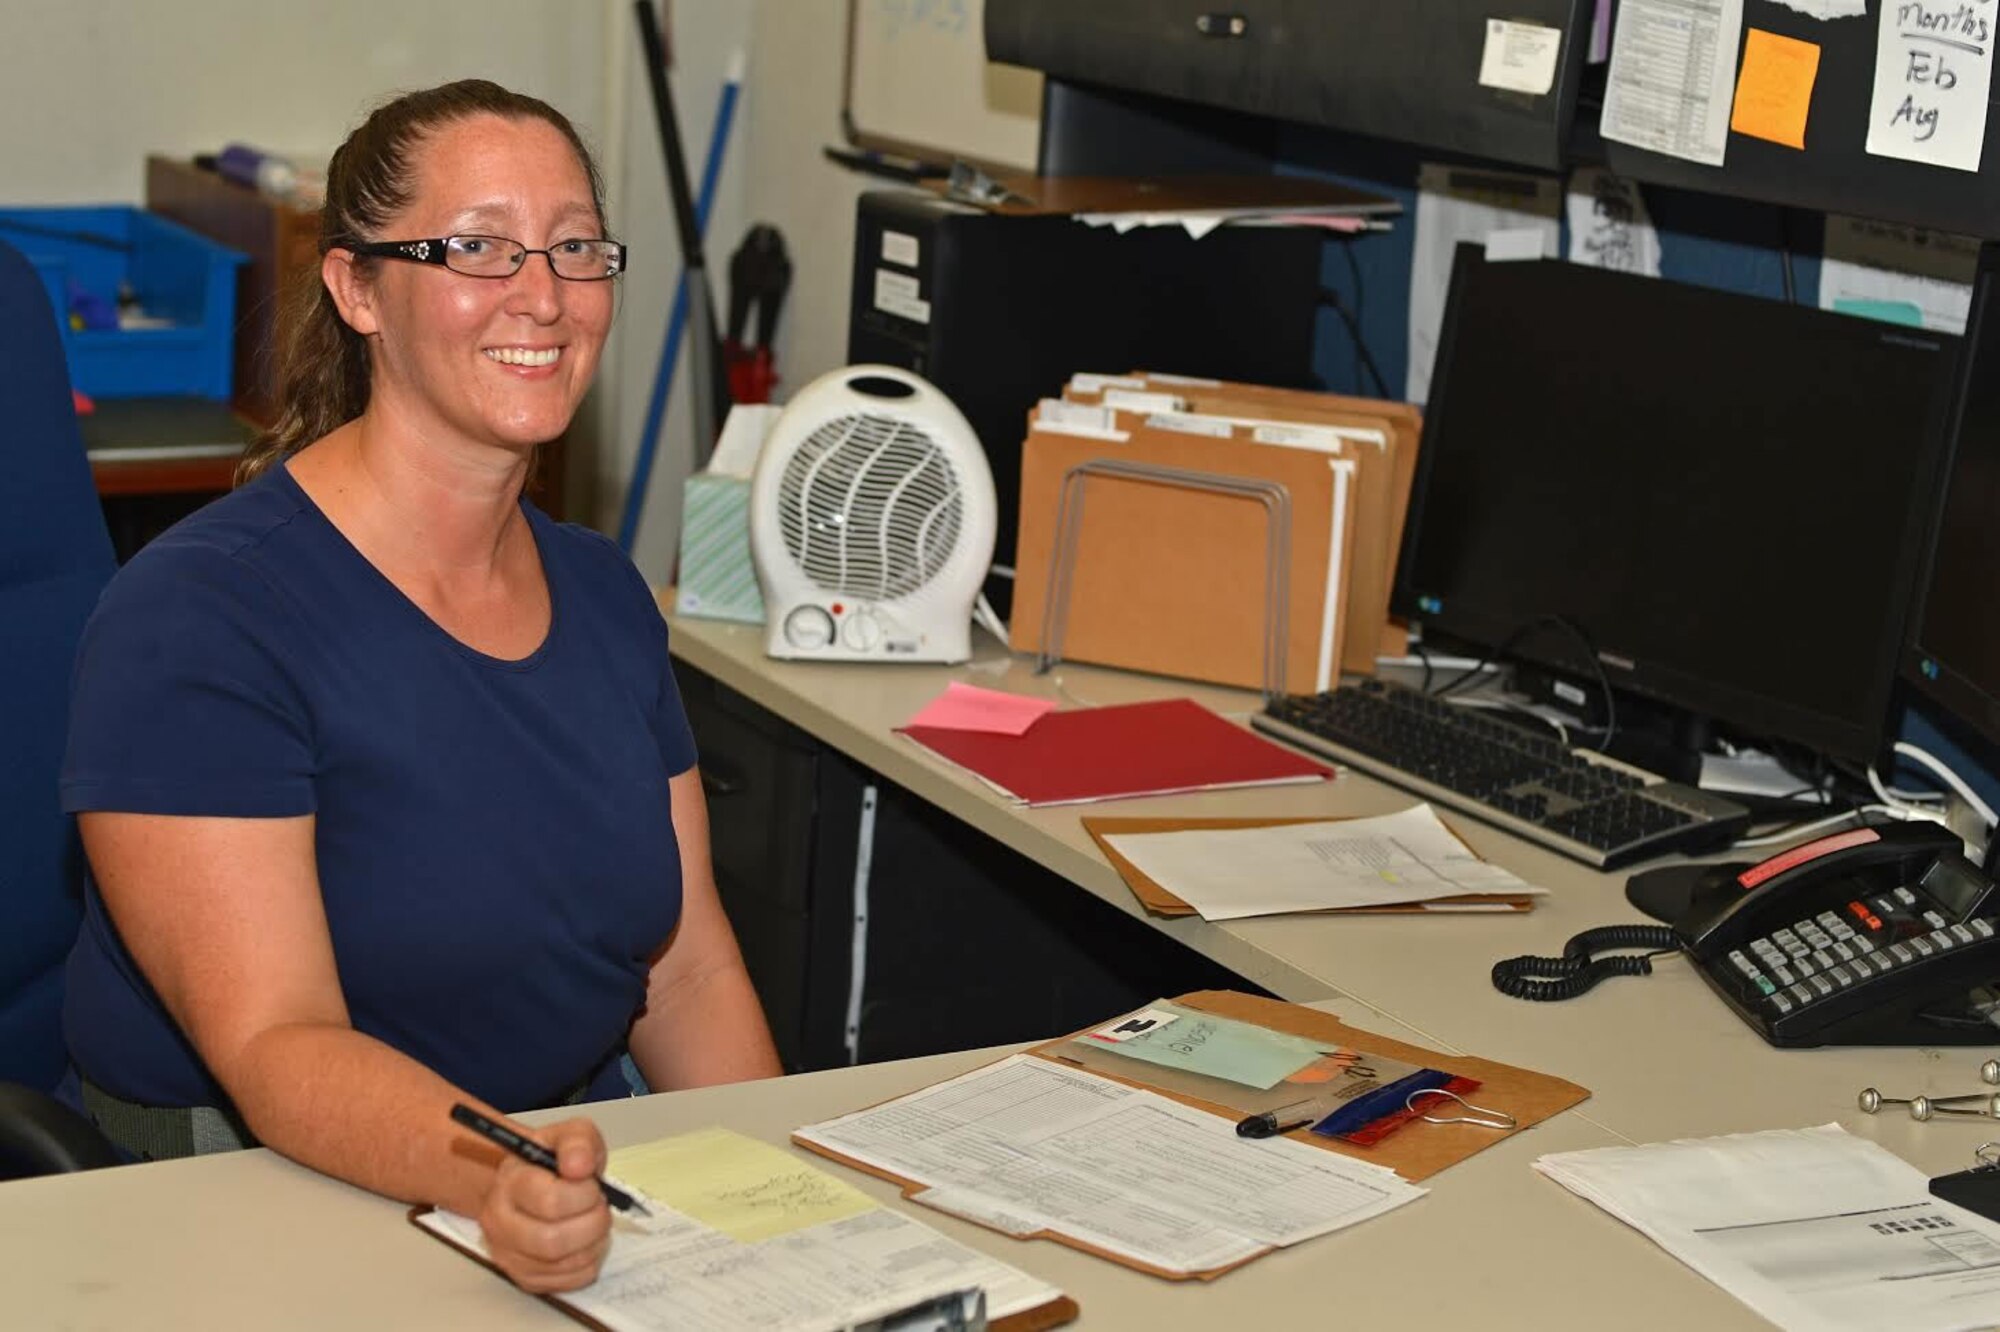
(1774, 87)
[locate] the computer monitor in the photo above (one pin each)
(1954, 653)
(1729, 497)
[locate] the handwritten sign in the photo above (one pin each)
(1774, 89)
(1608, 224)
(1933, 67)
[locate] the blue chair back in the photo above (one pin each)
(55, 557)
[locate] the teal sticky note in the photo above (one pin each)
(1889, 312)
(1218, 1047)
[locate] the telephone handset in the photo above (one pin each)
(1877, 936)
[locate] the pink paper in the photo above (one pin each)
(964, 707)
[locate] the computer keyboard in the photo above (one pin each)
(1530, 784)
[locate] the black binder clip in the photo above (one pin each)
(1977, 1189)
(957, 1311)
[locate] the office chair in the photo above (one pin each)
(55, 557)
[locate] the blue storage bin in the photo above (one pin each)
(176, 275)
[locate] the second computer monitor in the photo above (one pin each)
(1726, 496)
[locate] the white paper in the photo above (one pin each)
(1454, 205)
(1520, 57)
(1608, 224)
(672, 1272)
(901, 248)
(1814, 1229)
(1829, 9)
(1903, 274)
(1515, 244)
(1053, 1148)
(1227, 874)
(1933, 65)
(1673, 76)
(744, 431)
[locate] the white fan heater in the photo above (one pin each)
(871, 521)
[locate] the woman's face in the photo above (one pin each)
(492, 360)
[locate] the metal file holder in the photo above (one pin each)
(1277, 502)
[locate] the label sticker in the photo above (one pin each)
(1138, 1024)
(896, 293)
(900, 248)
(1520, 57)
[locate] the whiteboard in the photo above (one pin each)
(919, 83)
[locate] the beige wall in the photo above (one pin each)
(89, 87)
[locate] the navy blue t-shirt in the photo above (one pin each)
(494, 839)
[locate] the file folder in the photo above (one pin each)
(1171, 580)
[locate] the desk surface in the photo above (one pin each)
(1662, 1057)
(251, 1240)
(162, 445)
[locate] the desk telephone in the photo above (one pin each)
(1877, 936)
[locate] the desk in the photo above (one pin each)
(251, 1240)
(156, 446)
(1662, 1057)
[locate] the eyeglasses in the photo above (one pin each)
(498, 257)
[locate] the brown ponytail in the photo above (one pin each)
(322, 363)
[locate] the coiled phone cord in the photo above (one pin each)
(1546, 979)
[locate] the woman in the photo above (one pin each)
(385, 784)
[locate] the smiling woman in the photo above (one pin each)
(388, 795)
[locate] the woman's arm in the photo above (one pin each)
(702, 1023)
(224, 917)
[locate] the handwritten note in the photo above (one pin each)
(1933, 67)
(1608, 224)
(746, 1189)
(1774, 88)
(1221, 1048)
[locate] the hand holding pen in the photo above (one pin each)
(543, 1216)
(535, 1154)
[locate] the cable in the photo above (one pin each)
(1548, 979)
(1957, 783)
(1364, 358)
(1576, 631)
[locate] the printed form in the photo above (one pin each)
(745, 1235)
(1026, 1145)
(1673, 76)
(1814, 1229)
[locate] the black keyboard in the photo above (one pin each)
(1527, 782)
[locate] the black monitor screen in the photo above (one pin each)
(1956, 653)
(1728, 496)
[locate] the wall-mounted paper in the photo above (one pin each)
(1457, 204)
(1829, 9)
(1520, 57)
(1904, 275)
(1933, 66)
(1608, 224)
(1673, 64)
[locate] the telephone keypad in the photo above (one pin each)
(1785, 974)
(1935, 919)
(1841, 976)
(1963, 933)
(1982, 928)
(1905, 897)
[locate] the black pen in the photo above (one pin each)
(535, 1154)
(1269, 1125)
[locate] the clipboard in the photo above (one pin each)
(1159, 902)
(1416, 1152)
(1054, 1313)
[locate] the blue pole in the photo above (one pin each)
(663, 374)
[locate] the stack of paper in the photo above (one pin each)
(1267, 868)
(1812, 1228)
(1029, 1147)
(746, 1235)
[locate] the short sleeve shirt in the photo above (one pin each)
(493, 838)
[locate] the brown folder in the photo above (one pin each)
(1170, 580)
(1159, 902)
(1405, 422)
(1415, 1151)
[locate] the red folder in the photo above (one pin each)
(1136, 749)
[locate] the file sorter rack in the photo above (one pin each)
(1272, 495)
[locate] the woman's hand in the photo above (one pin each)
(550, 1232)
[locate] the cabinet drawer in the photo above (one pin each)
(758, 775)
(1399, 69)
